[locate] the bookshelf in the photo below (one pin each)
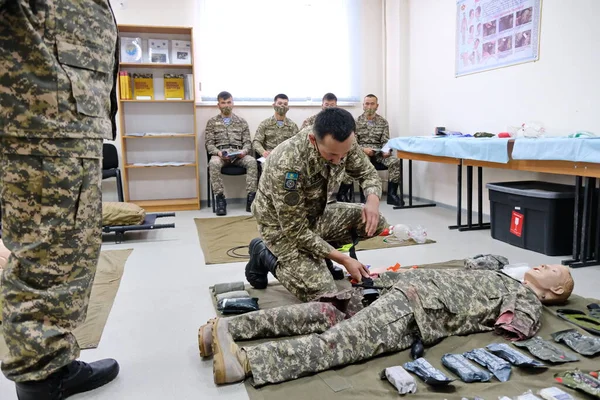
(159, 131)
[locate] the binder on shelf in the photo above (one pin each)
(143, 86)
(125, 85)
(181, 52)
(158, 51)
(189, 87)
(131, 49)
(174, 87)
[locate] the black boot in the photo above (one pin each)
(76, 377)
(345, 193)
(249, 201)
(262, 261)
(221, 206)
(392, 195)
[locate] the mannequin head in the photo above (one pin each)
(552, 284)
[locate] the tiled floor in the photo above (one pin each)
(163, 299)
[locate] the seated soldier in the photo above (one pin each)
(329, 100)
(226, 134)
(372, 134)
(429, 304)
(276, 129)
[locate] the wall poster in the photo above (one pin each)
(496, 33)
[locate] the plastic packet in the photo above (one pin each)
(467, 372)
(427, 372)
(227, 287)
(554, 393)
(232, 295)
(400, 233)
(497, 366)
(586, 345)
(545, 350)
(579, 381)
(401, 379)
(238, 306)
(513, 356)
(528, 395)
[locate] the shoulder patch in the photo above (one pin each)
(292, 199)
(291, 181)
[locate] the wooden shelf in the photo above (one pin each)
(156, 101)
(176, 135)
(168, 204)
(169, 30)
(154, 65)
(160, 166)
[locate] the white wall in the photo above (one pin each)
(181, 13)
(560, 90)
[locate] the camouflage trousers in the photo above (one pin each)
(392, 163)
(216, 163)
(305, 275)
(51, 220)
(387, 325)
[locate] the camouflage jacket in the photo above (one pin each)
(309, 121)
(295, 185)
(375, 134)
(58, 66)
(449, 302)
(235, 136)
(269, 135)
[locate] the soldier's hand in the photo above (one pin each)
(369, 151)
(370, 214)
(266, 154)
(356, 269)
(242, 154)
(386, 155)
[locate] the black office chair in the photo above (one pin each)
(379, 167)
(232, 170)
(110, 167)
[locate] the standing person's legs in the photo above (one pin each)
(339, 219)
(52, 215)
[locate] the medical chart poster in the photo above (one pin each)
(496, 33)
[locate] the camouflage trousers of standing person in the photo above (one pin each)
(387, 325)
(392, 163)
(51, 219)
(305, 275)
(216, 163)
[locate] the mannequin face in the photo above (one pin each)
(551, 283)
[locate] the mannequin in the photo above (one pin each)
(425, 304)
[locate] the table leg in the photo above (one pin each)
(410, 197)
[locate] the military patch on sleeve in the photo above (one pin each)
(292, 199)
(291, 181)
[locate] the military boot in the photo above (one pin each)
(392, 195)
(262, 261)
(221, 205)
(344, 194)
(249, 201)
(76, 377)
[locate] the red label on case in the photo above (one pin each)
(516, 224)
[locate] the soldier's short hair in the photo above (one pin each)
(329, 97)
(224, 96)
(336, 122)
(281, 96)
(372, 95)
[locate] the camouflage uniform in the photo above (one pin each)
(310, 121)
(375, 134)
(58, 64)
(232, 137)
(432, 304)
(293, 216)
(269, 135)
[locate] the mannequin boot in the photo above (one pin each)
(392, 195)
(262, 261)
(221, 206)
